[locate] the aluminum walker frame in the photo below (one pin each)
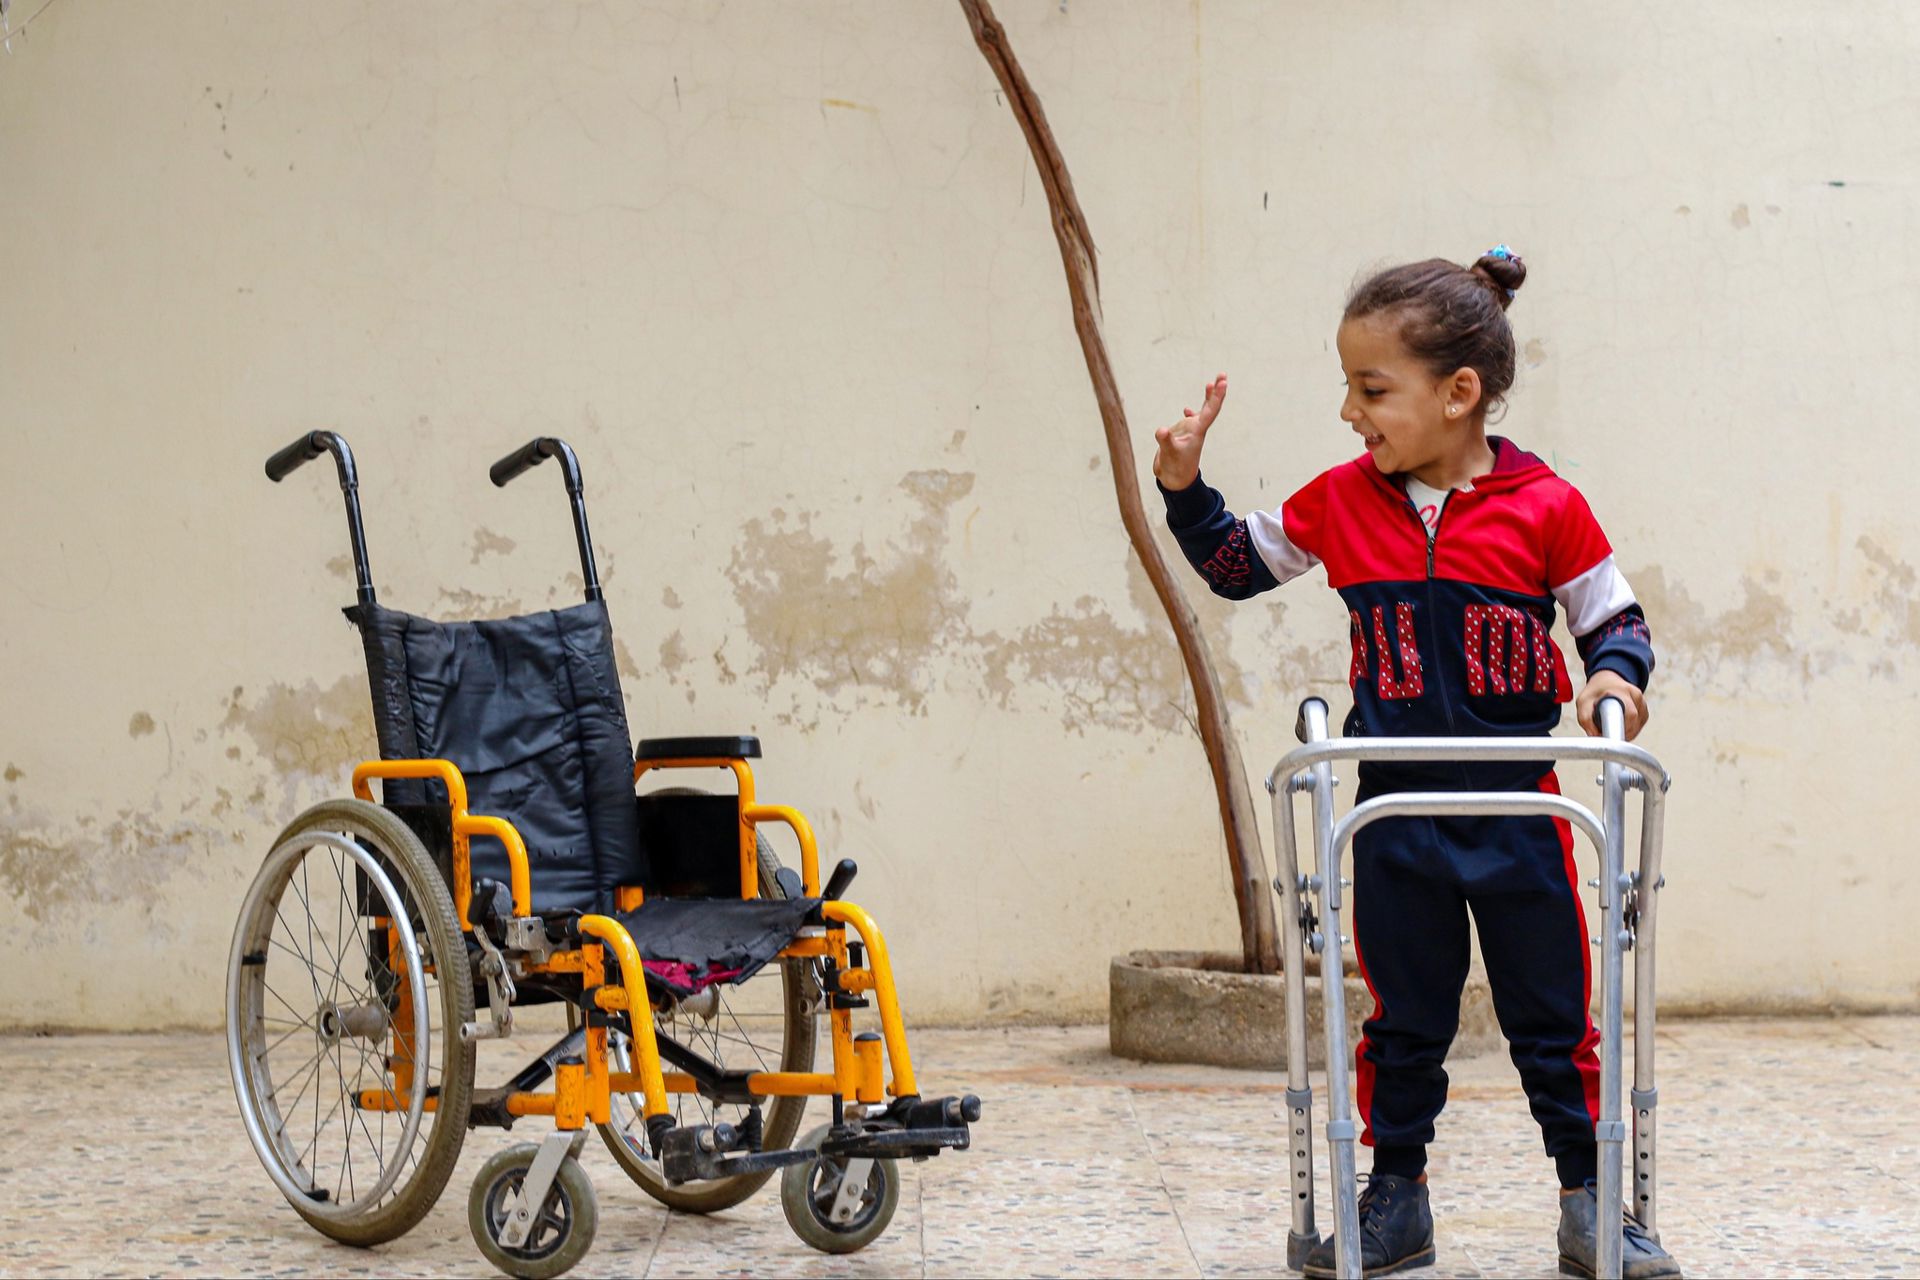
(1312, 921)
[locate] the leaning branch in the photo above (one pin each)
(1251, 897)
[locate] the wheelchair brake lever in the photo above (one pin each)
(500, 993)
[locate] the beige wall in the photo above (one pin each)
(782, 274)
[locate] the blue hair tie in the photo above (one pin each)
(1505, 254)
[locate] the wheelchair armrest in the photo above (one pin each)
(740, 747)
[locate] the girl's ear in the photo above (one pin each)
(1460, 394)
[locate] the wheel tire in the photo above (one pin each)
(568, 1219)
(342, 827)
(803, 1186)
(782, 1116)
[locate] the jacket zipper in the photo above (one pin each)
(1433, 539)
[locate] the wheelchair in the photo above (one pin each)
(511, 863)
(1311, 921)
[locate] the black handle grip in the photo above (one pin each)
(298, 454)
(527, 456)
(532, 454)
(842, 876)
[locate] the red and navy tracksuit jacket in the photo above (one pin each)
(1451, 637)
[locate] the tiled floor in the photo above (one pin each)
(1786, 1148)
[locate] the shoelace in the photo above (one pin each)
(1374, 1201)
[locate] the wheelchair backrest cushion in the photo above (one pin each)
(530, 711)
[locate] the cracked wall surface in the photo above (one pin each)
(783, 277)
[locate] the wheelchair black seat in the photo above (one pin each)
(530, 710)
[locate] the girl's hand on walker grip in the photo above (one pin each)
(1612, 684)
(1176, 460)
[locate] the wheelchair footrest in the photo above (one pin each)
(897, 1144)
(910, 1128)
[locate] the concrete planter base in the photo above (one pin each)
(1197, 1006)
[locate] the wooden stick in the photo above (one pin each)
(1251, 893)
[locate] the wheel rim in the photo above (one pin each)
(823, 1187)
(315, 1016)
(740, 1028)
(551, 1225)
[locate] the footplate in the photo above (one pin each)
(909, 1129)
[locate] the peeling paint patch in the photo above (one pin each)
(1105, 674)
(1534, 353)
(488, 543)
(1686, 635)
(623, 660)
(307, 730)
(673, 654)
(140, 726)
(1894, 610)
(48, 869)
(873, 626)
(462, 605)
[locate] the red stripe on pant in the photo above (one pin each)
(1586, 1058)
(1362, 1067)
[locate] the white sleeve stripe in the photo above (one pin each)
(1270, 540)
(1594, 596)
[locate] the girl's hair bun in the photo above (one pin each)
(1504, 269)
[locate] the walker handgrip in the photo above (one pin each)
(300, 452)
(1611, 716)
(529, 455)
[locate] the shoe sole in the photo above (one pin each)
(1422, 1259)
(1580, 1270)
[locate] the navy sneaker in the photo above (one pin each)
(1641, 1257)
(1396, 1230)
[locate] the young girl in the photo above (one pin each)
(1450, 548)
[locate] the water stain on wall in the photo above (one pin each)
(48, 868)
(488, 543)
(306, 730)
(870, 624)
(140, 725)
(1690, 638)
(1894, 596)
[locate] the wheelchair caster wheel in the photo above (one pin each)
(837, 1204)
(562, 1228)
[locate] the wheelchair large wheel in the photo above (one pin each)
(349, 982)
(764, 1024)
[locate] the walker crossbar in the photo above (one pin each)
(1627, 920)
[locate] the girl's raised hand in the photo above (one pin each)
(1176, 460)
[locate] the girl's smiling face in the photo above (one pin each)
(1407, 417)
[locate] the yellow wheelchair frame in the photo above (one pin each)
(408, 917)
(584, 1093)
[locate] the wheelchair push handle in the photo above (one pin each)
(532, 454)
(305, 450)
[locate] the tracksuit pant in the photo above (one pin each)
(1415, 882)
